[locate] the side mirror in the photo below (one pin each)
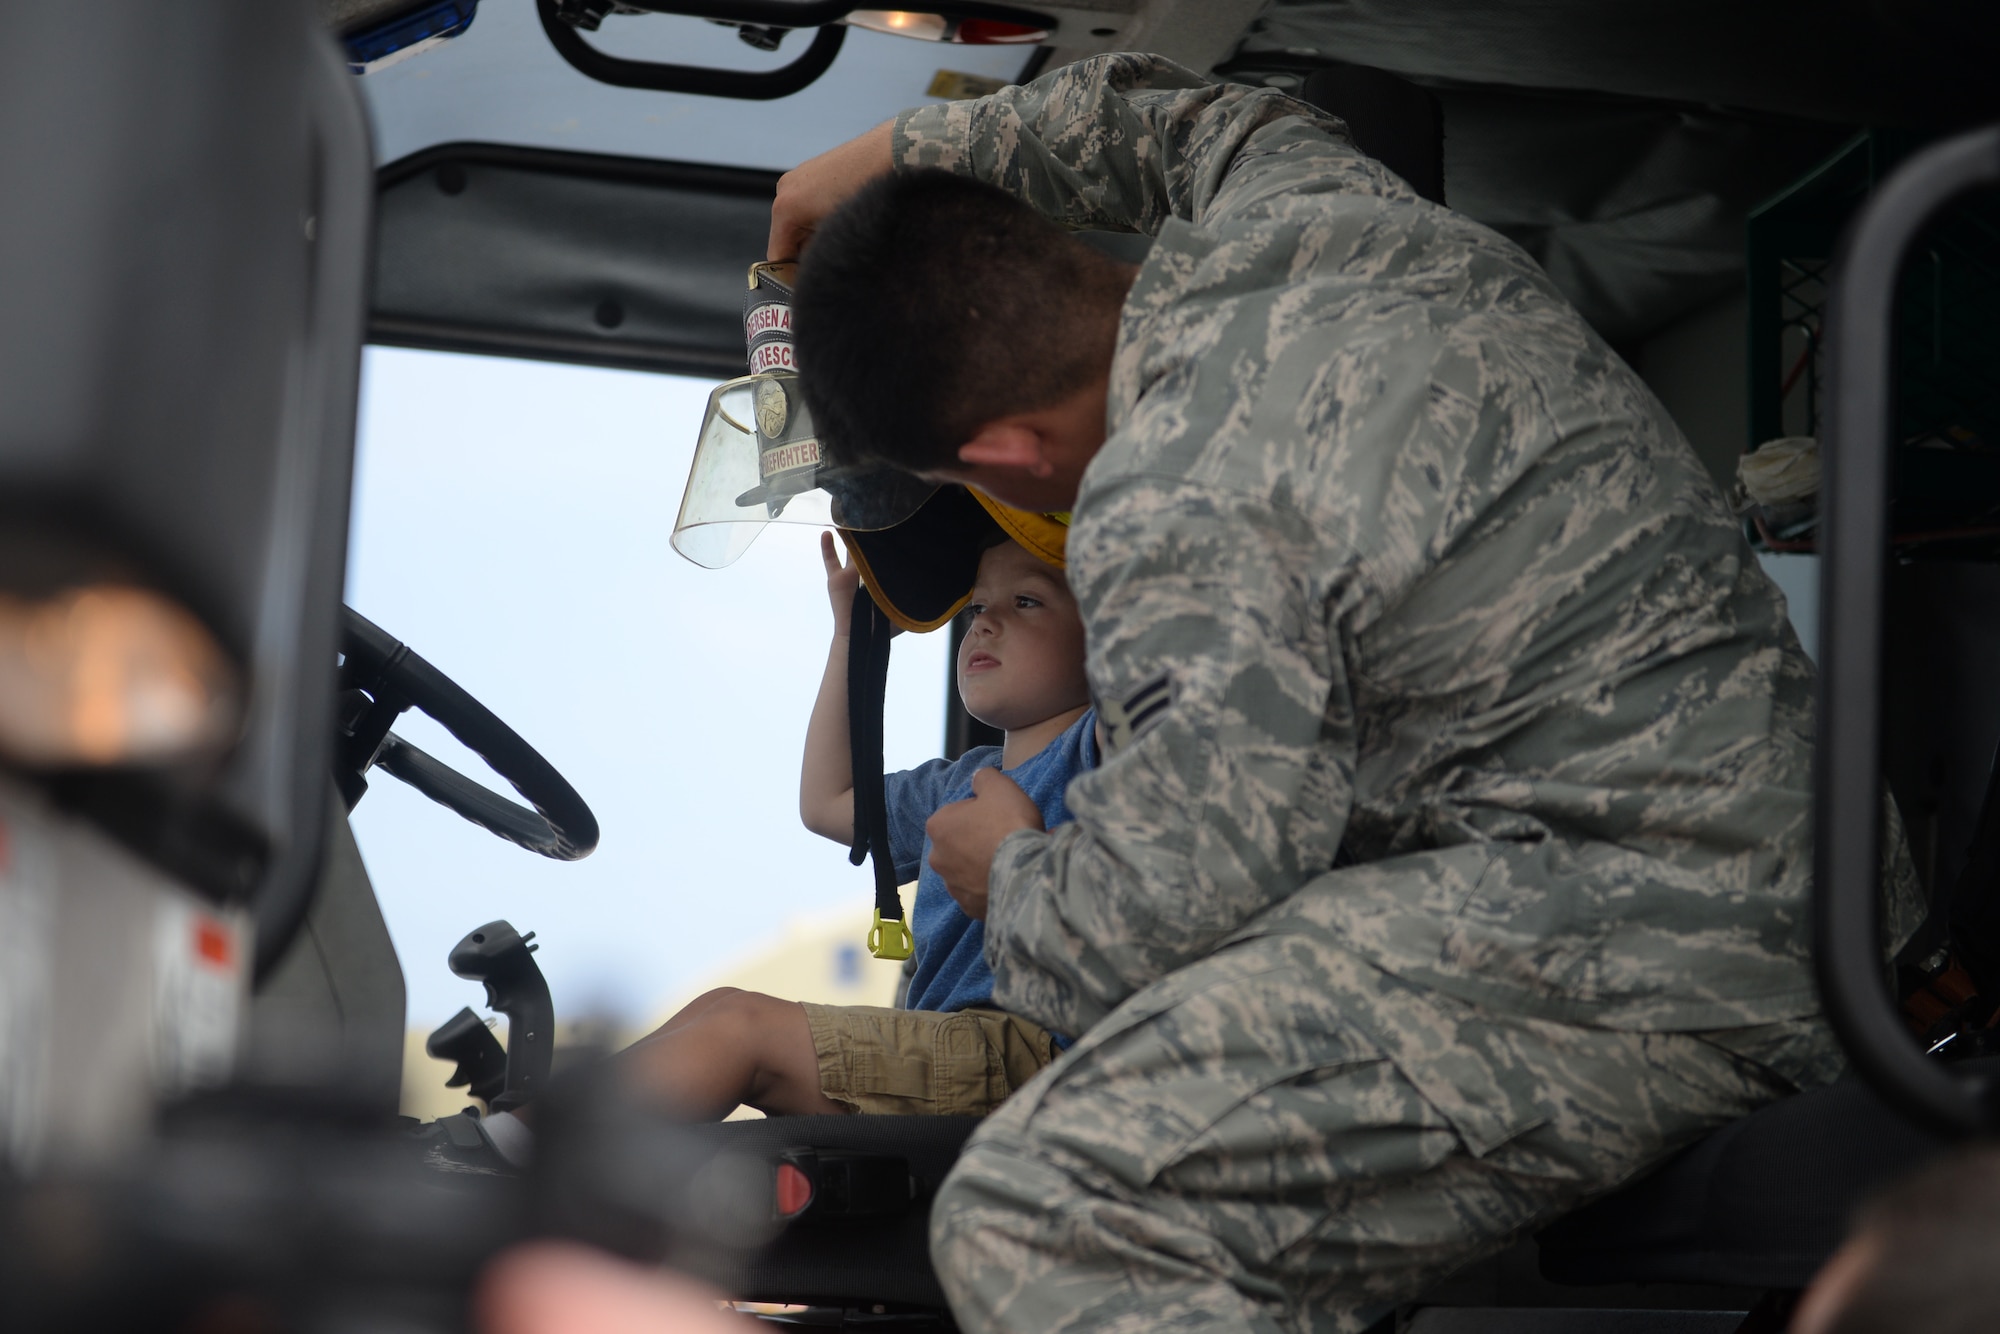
(1854, 533)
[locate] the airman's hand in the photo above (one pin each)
(965, 835)
(818, 186)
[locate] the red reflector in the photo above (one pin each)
(795, 1192)
(212, 943)
(995, 32)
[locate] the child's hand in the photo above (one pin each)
(548, 1287)
(965, 835)
(841, 581)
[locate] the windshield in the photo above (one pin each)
(511, 524)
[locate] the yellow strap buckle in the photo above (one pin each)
(890, 939)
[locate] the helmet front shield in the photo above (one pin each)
(758, 459)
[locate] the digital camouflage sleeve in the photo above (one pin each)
(1413, 619)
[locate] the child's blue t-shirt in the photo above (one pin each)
(951, 948)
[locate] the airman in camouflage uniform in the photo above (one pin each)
(1449, 861)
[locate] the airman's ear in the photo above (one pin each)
(1008, 444)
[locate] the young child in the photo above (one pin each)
(1020, 669)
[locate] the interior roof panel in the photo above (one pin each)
(1621, 145)
(610, 261)
(501, 82)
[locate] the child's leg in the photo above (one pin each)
(727, 1048)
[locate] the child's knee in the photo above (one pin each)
(747, 1017)
(721, 998)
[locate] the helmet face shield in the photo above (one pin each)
(758, 459)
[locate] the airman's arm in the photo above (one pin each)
(1121, 143)
(1125, 142)
(1229, 773)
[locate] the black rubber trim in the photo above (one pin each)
(339, 277)
(703, 176)
(700, 80)
(626, 354)
(560, 826)
(763, 13)
(817, 13)
(1847, 853)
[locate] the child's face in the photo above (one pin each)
(1022, 660)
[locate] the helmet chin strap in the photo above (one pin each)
(867, 688)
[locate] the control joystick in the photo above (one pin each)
(502, 959)
(479, 1059)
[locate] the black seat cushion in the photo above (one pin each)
(871, 1260)
(1759, 1203)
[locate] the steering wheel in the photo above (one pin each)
(379, 679)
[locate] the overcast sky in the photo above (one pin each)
(511, 524)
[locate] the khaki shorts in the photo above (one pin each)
(921, 1062)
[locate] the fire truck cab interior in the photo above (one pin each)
(1774, 213)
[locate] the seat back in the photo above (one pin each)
(1761, 1203)
(183, 236)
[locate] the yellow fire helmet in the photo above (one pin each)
(920, 571)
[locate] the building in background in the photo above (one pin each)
(822, 959)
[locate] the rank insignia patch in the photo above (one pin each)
(1127, 719)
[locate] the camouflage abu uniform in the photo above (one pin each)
(1448, 862)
